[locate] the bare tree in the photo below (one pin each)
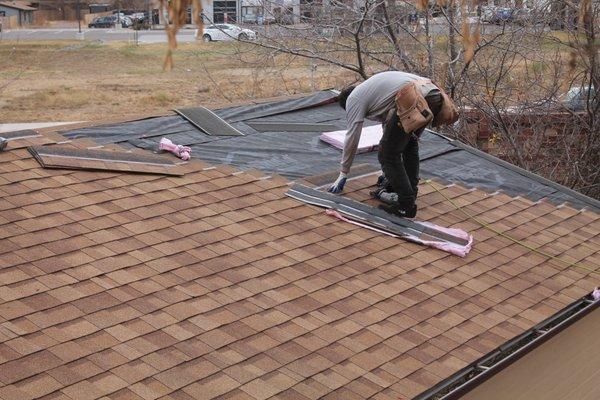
(515, 88)
(508, 71)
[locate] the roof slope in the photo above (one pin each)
(216, 285)
(301, 154)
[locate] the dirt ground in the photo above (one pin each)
(74, 81)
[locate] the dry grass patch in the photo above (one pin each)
(60, 81)
(54, 99)
(163, 99)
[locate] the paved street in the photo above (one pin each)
(152, 36)
(106, 35)
(158, 36)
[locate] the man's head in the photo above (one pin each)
(434, 101)
(343, 96)
(447, 113)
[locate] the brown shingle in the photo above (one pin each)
(215, 284)
(211, 387)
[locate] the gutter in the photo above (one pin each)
(489, 365)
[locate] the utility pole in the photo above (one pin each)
(79, 35)
(79, 15)
(150, 19)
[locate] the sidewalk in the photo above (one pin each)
(35, 125)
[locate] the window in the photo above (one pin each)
(225, 11)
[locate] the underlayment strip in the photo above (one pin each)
(23, 134)
(207, 121)
(363, 217)
(282, 126)
(371, 215)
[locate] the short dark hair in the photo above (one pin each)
(343, 96)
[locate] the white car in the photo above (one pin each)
(226, 32)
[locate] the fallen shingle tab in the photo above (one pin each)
(67, 157)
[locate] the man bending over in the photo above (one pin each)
(405, 103)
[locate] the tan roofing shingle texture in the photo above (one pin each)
(216, 285)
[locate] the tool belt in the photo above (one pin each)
(414, 113)
(412, 108)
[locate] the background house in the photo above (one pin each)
(15, 13)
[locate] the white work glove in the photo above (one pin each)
(338, 185)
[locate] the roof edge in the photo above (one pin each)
(528, 174)
(453, 387)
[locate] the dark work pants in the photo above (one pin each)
(399, 158)
(399, 153)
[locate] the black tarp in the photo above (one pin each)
(301, 154)
(247, 112)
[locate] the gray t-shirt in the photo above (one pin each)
(373, 99)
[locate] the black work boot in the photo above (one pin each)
(384, 183)
(390, 198)
(401, 209)
(380, 180)
(375, 193)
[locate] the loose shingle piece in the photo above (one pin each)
(214, 284)
(26, 133)
(74, 158)
(207, 121)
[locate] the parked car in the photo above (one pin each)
(227, 32)
(502, 15)
(126, 22)
(523, 16)
(265, 19)
(103, 22)
(250, 19)
(576, 99)
(138, 16)
(141, 23)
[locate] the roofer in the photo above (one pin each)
(405, 103)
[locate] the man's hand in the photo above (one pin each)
(338, 185)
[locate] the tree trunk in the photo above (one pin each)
(454, 49)
(429, 38)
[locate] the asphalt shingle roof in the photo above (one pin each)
(216, 285)
(19, 5)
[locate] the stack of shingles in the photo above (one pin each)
(216, 284)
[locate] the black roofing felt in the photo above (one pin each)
(301, 154)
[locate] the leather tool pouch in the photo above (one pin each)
(412, 108)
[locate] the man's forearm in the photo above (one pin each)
(350, 146)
